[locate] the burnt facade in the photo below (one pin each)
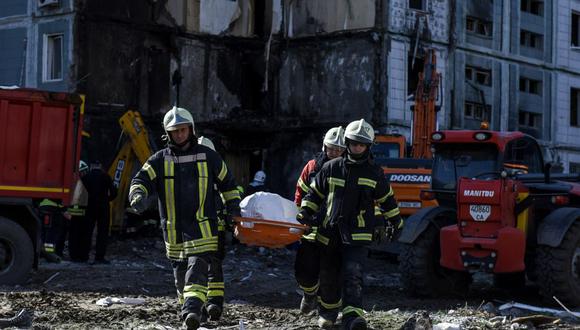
(265, 79)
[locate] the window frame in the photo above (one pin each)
(529, 84)
(478, 25)
(48, 62)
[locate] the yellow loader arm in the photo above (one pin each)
(136, 148)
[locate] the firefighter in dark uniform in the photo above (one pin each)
(183, 175)
(79, 237)
(351, 186)
(215, 279)
(101, 191)
(53, 216)
(306, 266)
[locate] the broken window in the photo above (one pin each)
(528, 119)
(417, 4)
(575, 30)
(52, 57)
(574, 106)
(531, 39)
(478, 26)
(478, 75)
(413, 70)
(534, 7)
(477, 111)
(531, 86)
(574, 167)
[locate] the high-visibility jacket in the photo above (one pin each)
(351, 191)
(184, 182)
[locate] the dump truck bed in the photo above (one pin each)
(40, 134)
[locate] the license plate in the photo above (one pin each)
(413, 205)
(480, 212)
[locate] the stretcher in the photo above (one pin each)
(267, 233)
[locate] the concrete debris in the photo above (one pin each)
(446, 326)
(108, 301)
(490, 308)
(420, 320)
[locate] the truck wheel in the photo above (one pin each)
(16, 253)
(558, 269)
(421, 272)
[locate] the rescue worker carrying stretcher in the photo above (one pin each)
(351, 186)
(307, 264)
(183, 175)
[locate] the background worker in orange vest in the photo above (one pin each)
(307, 263)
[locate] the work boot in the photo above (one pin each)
(358, 323)
(192, 321)
(52, 257)
(307, 304)
(214, 311)
(324, 323)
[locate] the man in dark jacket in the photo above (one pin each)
(352, 186)
(101, 191)
(306, 266)
(183, 175)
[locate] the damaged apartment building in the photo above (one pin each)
(265, 79)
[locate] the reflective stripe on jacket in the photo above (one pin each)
(184, 182)
(350, 191)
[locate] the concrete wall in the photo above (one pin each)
(329, 81)
(13, 56)
(13, 8)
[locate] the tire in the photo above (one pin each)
(421, 272)
(558, 269)
(16, 253)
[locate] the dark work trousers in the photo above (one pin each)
(341, 266)
(215, 281)
(52, 231)
(101, 219)
(78, 248)
(191, 281)
(62, 236)
(307, 266)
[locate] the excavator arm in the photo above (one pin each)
(136, 148)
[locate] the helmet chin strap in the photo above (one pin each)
(357, 158)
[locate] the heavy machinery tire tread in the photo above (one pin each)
(21, 247)
(420, 273)
(553, 269)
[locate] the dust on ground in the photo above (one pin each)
(261, 293)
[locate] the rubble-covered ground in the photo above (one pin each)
(260, 294)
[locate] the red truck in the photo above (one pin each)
(40, 140)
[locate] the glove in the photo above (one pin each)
(232, 211)
(138, 203)
(394, 228)
(380, 234)
(305, 218)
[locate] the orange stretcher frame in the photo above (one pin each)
(267, 233)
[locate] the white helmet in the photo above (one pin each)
(259, 177)
(360, 131)
(334, 138)
(177, 116)
(206, 142)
